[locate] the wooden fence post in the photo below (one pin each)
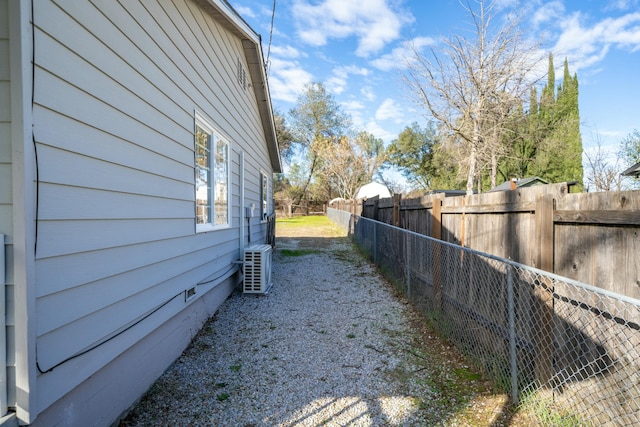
(375, 208)
(397, 199)
(436, 218)
(543, 293)
(436, 233)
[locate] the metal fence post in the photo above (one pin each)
(512, 335)
(375, 242)
(407, 262)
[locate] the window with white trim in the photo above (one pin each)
(264, 191)
(211, 176)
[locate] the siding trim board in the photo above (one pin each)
(115, 88)
(23, 390)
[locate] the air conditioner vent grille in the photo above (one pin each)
(257, 269)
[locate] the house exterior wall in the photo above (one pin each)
(116, 89)
(6, 202)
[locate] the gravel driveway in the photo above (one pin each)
(329, 345)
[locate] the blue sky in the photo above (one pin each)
(355, 47)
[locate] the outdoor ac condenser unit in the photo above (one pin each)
(257, 269)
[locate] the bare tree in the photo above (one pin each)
(350, 163)
(602, 174)
(474, 85)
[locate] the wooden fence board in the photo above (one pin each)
(596, 235)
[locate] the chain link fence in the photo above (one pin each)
(566, 351)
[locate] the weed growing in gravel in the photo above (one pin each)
(297, 252)
(235, 368)
(550, 414)
(354, 259)
(222, 397)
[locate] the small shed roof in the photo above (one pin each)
(632, 171)
(524, 182)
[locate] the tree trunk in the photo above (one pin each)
(472, 169)
(473, 157)
(494, 169)
(306, 185)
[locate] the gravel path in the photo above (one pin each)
(329, 345)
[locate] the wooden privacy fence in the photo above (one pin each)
(285, 208)
(590, 237)
(569, 347)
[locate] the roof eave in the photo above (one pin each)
(251, 43)
(632, 171)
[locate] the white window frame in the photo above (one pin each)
(264, 193)
(216, 136)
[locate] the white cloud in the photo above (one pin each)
(286, 52)
(622, 5)
(337, 83)
(373, 22)
(378, 131)
(354, 109)
(402, 55)
(368, 93)
(389, 110)
(586, 46)
(287, 79)
(548, 12)
(245, 11)
(352, 106)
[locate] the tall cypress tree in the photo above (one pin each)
(568, 130)
(559, 151)
(548, 97)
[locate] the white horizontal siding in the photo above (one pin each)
(93, 67)
(116, 88)
(57, 238)
(4, 54)
(68, 168)
(60, 310)
(136, 147)
(85, 268)
(5, 101)
(65, 99)
(84, 203)
(5, 184)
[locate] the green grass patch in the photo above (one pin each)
(550, 414)
(313, 225)
(304, 221)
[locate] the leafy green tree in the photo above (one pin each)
(372, 153)
(412, 154)
(630, 149)
(559, 152)
(546, 142)
(283, 136)
(448, 163)
(630, 154)
(316, 119)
